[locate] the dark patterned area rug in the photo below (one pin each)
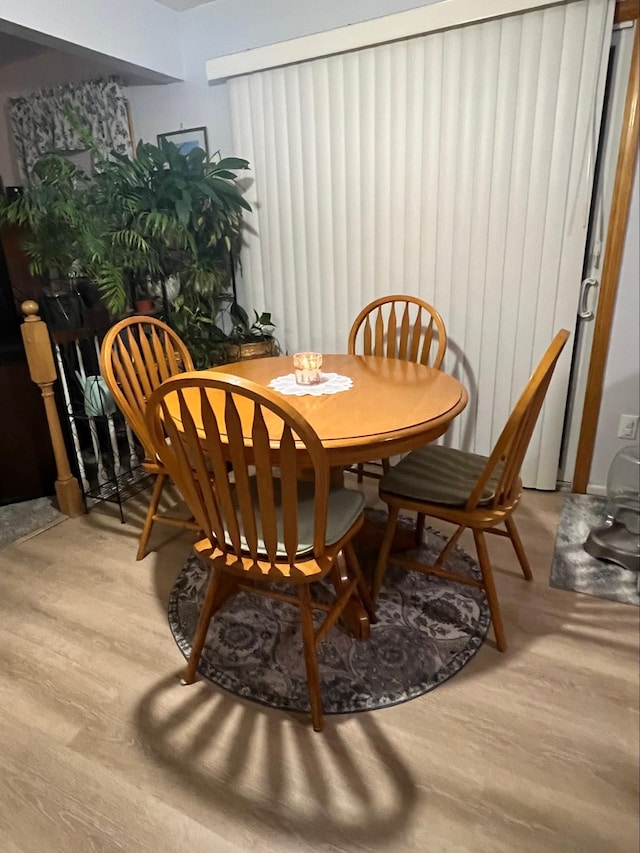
(573, 569)
(427, 630)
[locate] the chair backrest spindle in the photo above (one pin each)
(137, 355)
(419, 335)
(239, 472)
(506, 459)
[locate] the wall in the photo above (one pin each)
(228, 26)
(141, 32)
(233, 25)
(622, 377)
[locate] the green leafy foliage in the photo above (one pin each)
(180, 214)
(195, 319)
(243, 330)
(138, 219)
(52, 213)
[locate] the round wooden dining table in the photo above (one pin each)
(392, 407)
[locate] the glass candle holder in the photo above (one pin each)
(307, 367)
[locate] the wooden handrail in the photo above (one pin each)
(43, 372)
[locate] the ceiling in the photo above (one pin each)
(14, 48)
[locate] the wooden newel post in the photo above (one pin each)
(43, 372)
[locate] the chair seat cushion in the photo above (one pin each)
(439, 475)
(345, 505)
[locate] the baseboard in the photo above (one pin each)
(592, 489)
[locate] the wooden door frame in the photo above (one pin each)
(626, 10)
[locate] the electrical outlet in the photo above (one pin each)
(628, 427)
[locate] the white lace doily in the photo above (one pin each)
(332, 383)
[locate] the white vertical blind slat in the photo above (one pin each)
(414, 102)
(307, 244)
(498, 285)
(483, 88)
(355, 160)
(339, 181)
(451, 166)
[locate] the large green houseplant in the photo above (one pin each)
(137, 223)
(178, 214)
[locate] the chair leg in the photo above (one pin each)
(354, 566)
(383, 556)
(518, 547)
(148, 521)
(419, 528)
(360, 471)
(310, 656)
(450, 545)
(204, 619)
(386, 465)
(490, 589)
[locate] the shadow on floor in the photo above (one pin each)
(254, 763)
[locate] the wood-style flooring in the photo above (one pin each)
(102, 749)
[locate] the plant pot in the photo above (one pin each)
(144, 306)
(255, 349)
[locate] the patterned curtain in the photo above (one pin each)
(40, 124)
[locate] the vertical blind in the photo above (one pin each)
(454, 166)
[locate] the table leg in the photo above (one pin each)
(336, 477)
(354, 616)
(370, 538)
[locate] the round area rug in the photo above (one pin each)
(427, 630)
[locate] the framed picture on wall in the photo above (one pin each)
(187, 140)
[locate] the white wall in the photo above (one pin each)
(161, 109)
(225, 27)
(141, 32)
(228, 26)
(621, 393)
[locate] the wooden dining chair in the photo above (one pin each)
(468, 490)
(400, 326)
(137, 354)
(264, 526)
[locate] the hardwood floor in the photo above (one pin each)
(101, 748)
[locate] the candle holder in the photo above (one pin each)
(307, 368)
